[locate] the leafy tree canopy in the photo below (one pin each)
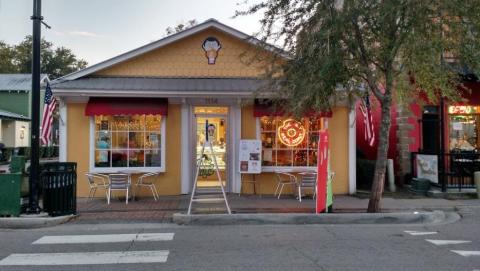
(55, 61)
(391, 48)
(180, 27)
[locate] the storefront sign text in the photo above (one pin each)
(463, 109)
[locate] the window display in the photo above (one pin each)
(289, 142)
(128, 141)
(464, 132)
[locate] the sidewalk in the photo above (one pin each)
(147, 210)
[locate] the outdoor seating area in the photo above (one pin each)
(121, 181)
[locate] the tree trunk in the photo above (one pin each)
(382, 151)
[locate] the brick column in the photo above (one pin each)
(403, 142)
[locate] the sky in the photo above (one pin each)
(96, 30)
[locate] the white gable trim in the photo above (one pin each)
(165, 41)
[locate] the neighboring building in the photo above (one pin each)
(15, 108)
(417, 128)
(146, 109)
(14, 129)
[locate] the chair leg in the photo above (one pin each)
(299, 193)
(94, 191)
(156, 192)
(153, 193)
(134, 192)
(109, 195)
(280, 192)
(89, 194)
(126, 198)
(276, 189)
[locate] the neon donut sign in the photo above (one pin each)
(291, 133)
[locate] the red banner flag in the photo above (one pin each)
(322, 172)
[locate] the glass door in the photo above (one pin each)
(217, 123)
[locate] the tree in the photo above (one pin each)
(6, 58)
(55, 62)
(394, 49)
(180, 27)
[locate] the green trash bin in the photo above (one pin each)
(17, 164)
(10, 184)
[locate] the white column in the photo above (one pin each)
(62, 131)
(185, 149)
(235, 136)
(352, 151)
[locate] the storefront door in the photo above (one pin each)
(217, 119)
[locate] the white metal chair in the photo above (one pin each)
(284, 178)
(146, 181)
(96, 181)
(118, 182)
(307, 181)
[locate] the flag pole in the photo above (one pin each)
(34, 178)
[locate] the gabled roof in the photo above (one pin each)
(210, 23)
(18, 81)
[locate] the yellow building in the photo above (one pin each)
(146, 110)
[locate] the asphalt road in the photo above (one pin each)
(277, 247)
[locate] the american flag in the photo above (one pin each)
(368, 120)
(48, 108)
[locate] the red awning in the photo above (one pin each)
(126, 106)
(261, 109)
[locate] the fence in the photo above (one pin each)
(454, 170)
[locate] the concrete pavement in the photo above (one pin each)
(245, 247)
(347, 209)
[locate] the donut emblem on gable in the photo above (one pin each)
(211, 46)
(291, 133)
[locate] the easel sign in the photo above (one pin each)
(250, 156)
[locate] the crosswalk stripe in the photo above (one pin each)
(86, 258)
(104, 238)
(447, 242)
(466, 253)
(421, 232)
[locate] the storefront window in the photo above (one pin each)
(128, 141)
(464, 127)
(288, 142)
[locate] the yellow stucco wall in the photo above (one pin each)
(78, 150)
(338, 135)
(186, 58)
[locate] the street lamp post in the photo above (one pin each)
(34, 179)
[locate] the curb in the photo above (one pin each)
(299, 219)
(33, 222)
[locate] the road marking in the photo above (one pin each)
(104, 238)
(159, 256)
(466, 253)
(447, 242)
(421, 232)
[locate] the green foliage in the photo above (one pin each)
(391, 48)
(384, 46)
(55, 62)
(180, 27)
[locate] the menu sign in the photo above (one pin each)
(250, 156)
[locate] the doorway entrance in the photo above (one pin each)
(216, 117)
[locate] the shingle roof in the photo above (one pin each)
(105, 84)
(17, 81)
(10, 115)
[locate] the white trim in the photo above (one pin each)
(149, 93)
(116, 169)
(281, 168)
(352, 152)
(235, 136)
(185, 174)
(62, 130)
(211, 23)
